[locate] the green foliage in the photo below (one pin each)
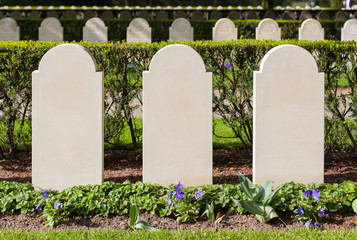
(259, 198)
(136, 223)
(118, 198)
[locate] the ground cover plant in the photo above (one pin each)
(185, 204)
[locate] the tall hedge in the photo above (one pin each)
(123, 65)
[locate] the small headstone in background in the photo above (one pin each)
(138, 31)
(224, 29)
(95, 31)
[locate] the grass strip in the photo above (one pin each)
(181, 234)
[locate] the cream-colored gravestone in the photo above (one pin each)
(67, 119)
(177, 118)
(9, 31)
(311, 30)
(288, 118)
(224, 29)
(50, 30)
(95, 31)
(138, 31)
(349, 30)
(268, 29)
(181, 30)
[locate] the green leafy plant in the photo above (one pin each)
(136, 223)
(259, 198)
(209, 212)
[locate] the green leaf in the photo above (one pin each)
(134, 215)
(354, 205)
(269, 197)
(270, 213)
(247, 186)
(250, 206)
(260, 195)
(145, 226)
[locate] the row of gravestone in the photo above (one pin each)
(67, 118)
(194, 15)
(140, 31)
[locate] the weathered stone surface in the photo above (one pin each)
(95, 31)
(224, 29)
(50, 30)
(138, 31)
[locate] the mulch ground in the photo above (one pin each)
(121, 165)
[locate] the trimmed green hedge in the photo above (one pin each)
(160, 29)
(123, 65)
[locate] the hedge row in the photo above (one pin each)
(123, 65)
(160, 29)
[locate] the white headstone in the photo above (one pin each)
(181, 30)
(138, 31)
(349, 30)
(95, 31)
(9, 31)
(67, 119)
(224, 29)
(288, 118)
(177, 118)
(268, 29)
(50, 30)
(311, 30)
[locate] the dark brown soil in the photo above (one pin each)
(121, 165)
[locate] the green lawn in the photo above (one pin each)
(192, 234)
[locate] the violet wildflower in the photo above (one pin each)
(169, 201)
(317, 225)
(300, 210)
(316, 194)
(308, 193)
(227, 65)
(39, 207)
(198, 194)
(57, 205)
(178, 192)
(45, 193)
(323, 211)
(309, 225)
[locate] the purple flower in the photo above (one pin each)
(178, 192)
(316, 194)
(227, 65)
(323, 211)
(198, 194)
(57, 205)
(309, 225)
(300, 211)
(169, 201)
(39, 207)
(45, 193)
(318, 225)
(308, 193)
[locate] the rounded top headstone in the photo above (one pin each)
(351, 25)
(174, 52)
(277, 55)
(67, 56)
